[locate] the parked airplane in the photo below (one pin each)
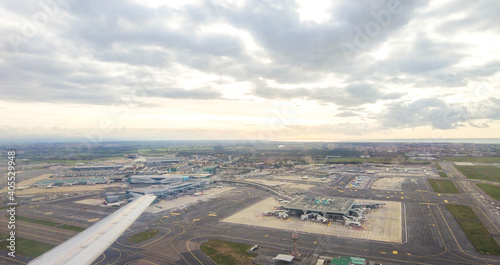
(115, 204)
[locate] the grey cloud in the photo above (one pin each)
(352, 95)
(316, 46)
(347, 128)
(436, 113)
(346, 114)
(487, 10)
(178, 93)
(134, 36)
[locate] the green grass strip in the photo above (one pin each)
(26, 247)
(492, 190)
(443, 186)
(142, 236)
(478, 235)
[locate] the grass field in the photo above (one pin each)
(142, 236)
(71, 227)
(492, 190)
(462, 212)
(442, 174)
(438, 167)
(228, 253)
(49, 223)
(26, 247)
(490, 173)
(493, 159)
(443, 186)
(474, 229)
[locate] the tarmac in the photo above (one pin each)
(383, 224)
(429, 234)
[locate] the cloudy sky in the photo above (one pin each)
(262, 69)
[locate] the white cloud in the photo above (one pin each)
(203, 67)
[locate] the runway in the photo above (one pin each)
(430, 233)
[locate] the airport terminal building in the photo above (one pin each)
(169, 189)
(331, 208)
(156, 179)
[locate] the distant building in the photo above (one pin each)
(89, 168)
(161, 161)
(211, 170)
(156, 179)
(71, 181)
(283, 259)
(348, 261)
(169, 189)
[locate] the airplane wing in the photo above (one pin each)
(89, 244)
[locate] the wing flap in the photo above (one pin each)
(88, 245)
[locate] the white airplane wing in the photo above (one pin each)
(89, 244)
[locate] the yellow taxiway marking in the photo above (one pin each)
(329, 223)
(49, 213)
(408, 254)
(212, 214)
(194, 220)
(446, 201)
(314, 242)
(402, 198)
(266, 235)
(402, 193)
(383, 253)
(92, 220)
(31, 206)
(394, 252)
(439, 194)
(387, 197)
(428, 203)
(288, 219)
(175, 213)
